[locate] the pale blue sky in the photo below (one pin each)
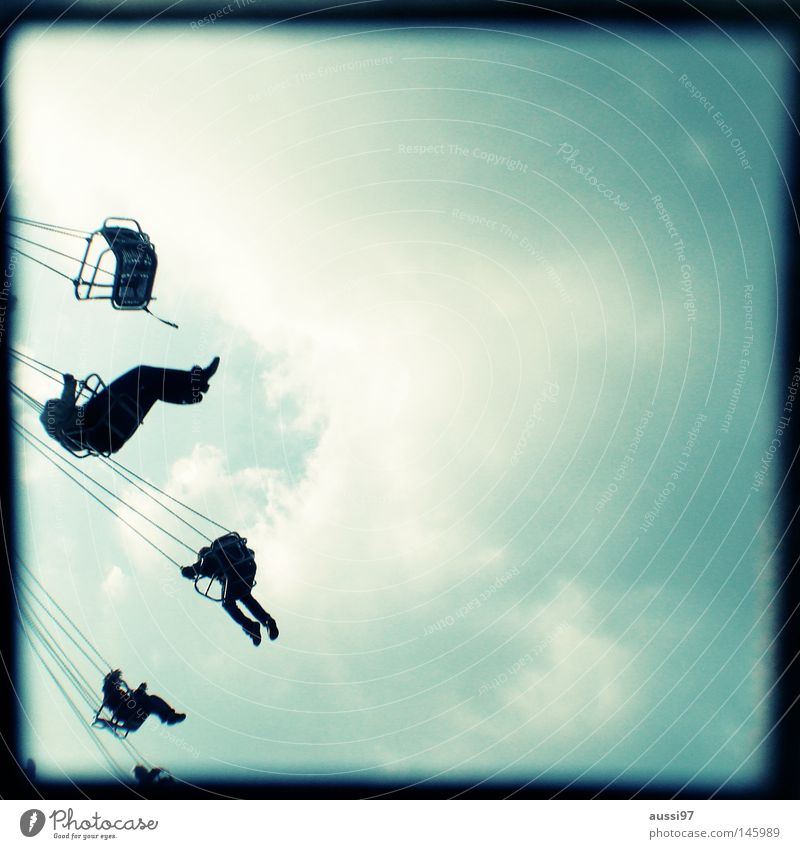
(438, 339)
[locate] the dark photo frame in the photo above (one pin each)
(784, 739)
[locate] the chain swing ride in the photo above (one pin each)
(118, 263)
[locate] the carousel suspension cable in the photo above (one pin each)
(34, 365)
(128, 475)
(34, 625)
(105, 489)
(42, 262)
(104, 664)
(167, 495)
(124, 472)
(30, 439)
(55, 646)
(128, 283)
(49, 641)
(59, 253)
(162, 505)
(101, 669)
(31, 632)
(67, 668)
(83, 265)
(28, 399)
(66, 276)
(118, 467)
(56, 228)
(35, 368)
(120, 470)
(27, 359)
(104, 753)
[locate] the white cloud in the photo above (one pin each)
(115, 584)
(404, 354)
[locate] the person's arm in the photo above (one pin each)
(200, 568)
(191, 572)
(202, 565)
(59, 413)
(69, 390)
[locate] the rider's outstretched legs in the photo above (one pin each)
(248, 626)
(156, 706)
(263, 617)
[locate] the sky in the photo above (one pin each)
(482, 298)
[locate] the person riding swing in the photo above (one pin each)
(128, 709)
(113, 413)
(229, 561)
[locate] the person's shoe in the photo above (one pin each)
(207, 373)
(200, 378)
(272, 628)
(253, 631)
(176, 718)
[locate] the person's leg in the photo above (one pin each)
(156, 706)
(126, 384)
(175, 386)
(261, 615)
(135, 721)
(131, 714)
(125, 388)
(248, 626)
(97, 410)
(110, 418)
(143, 386)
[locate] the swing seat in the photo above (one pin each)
(122, 410)
(231, 560)
(126, 254)
(107, 716)
(110, 723)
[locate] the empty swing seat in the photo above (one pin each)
(127, 258)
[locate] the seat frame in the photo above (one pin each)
(134, 269)
(221, 573)
(91, 386)
(111, 722)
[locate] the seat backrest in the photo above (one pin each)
(230, 556)
(115, 689)
(122, 419)
(90, 386)
(136, 264)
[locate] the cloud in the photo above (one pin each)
(402, 353)
(115, 584)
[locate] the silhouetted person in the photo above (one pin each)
(229, 561)
(109, 419)
(130, 708)
(149, 778)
